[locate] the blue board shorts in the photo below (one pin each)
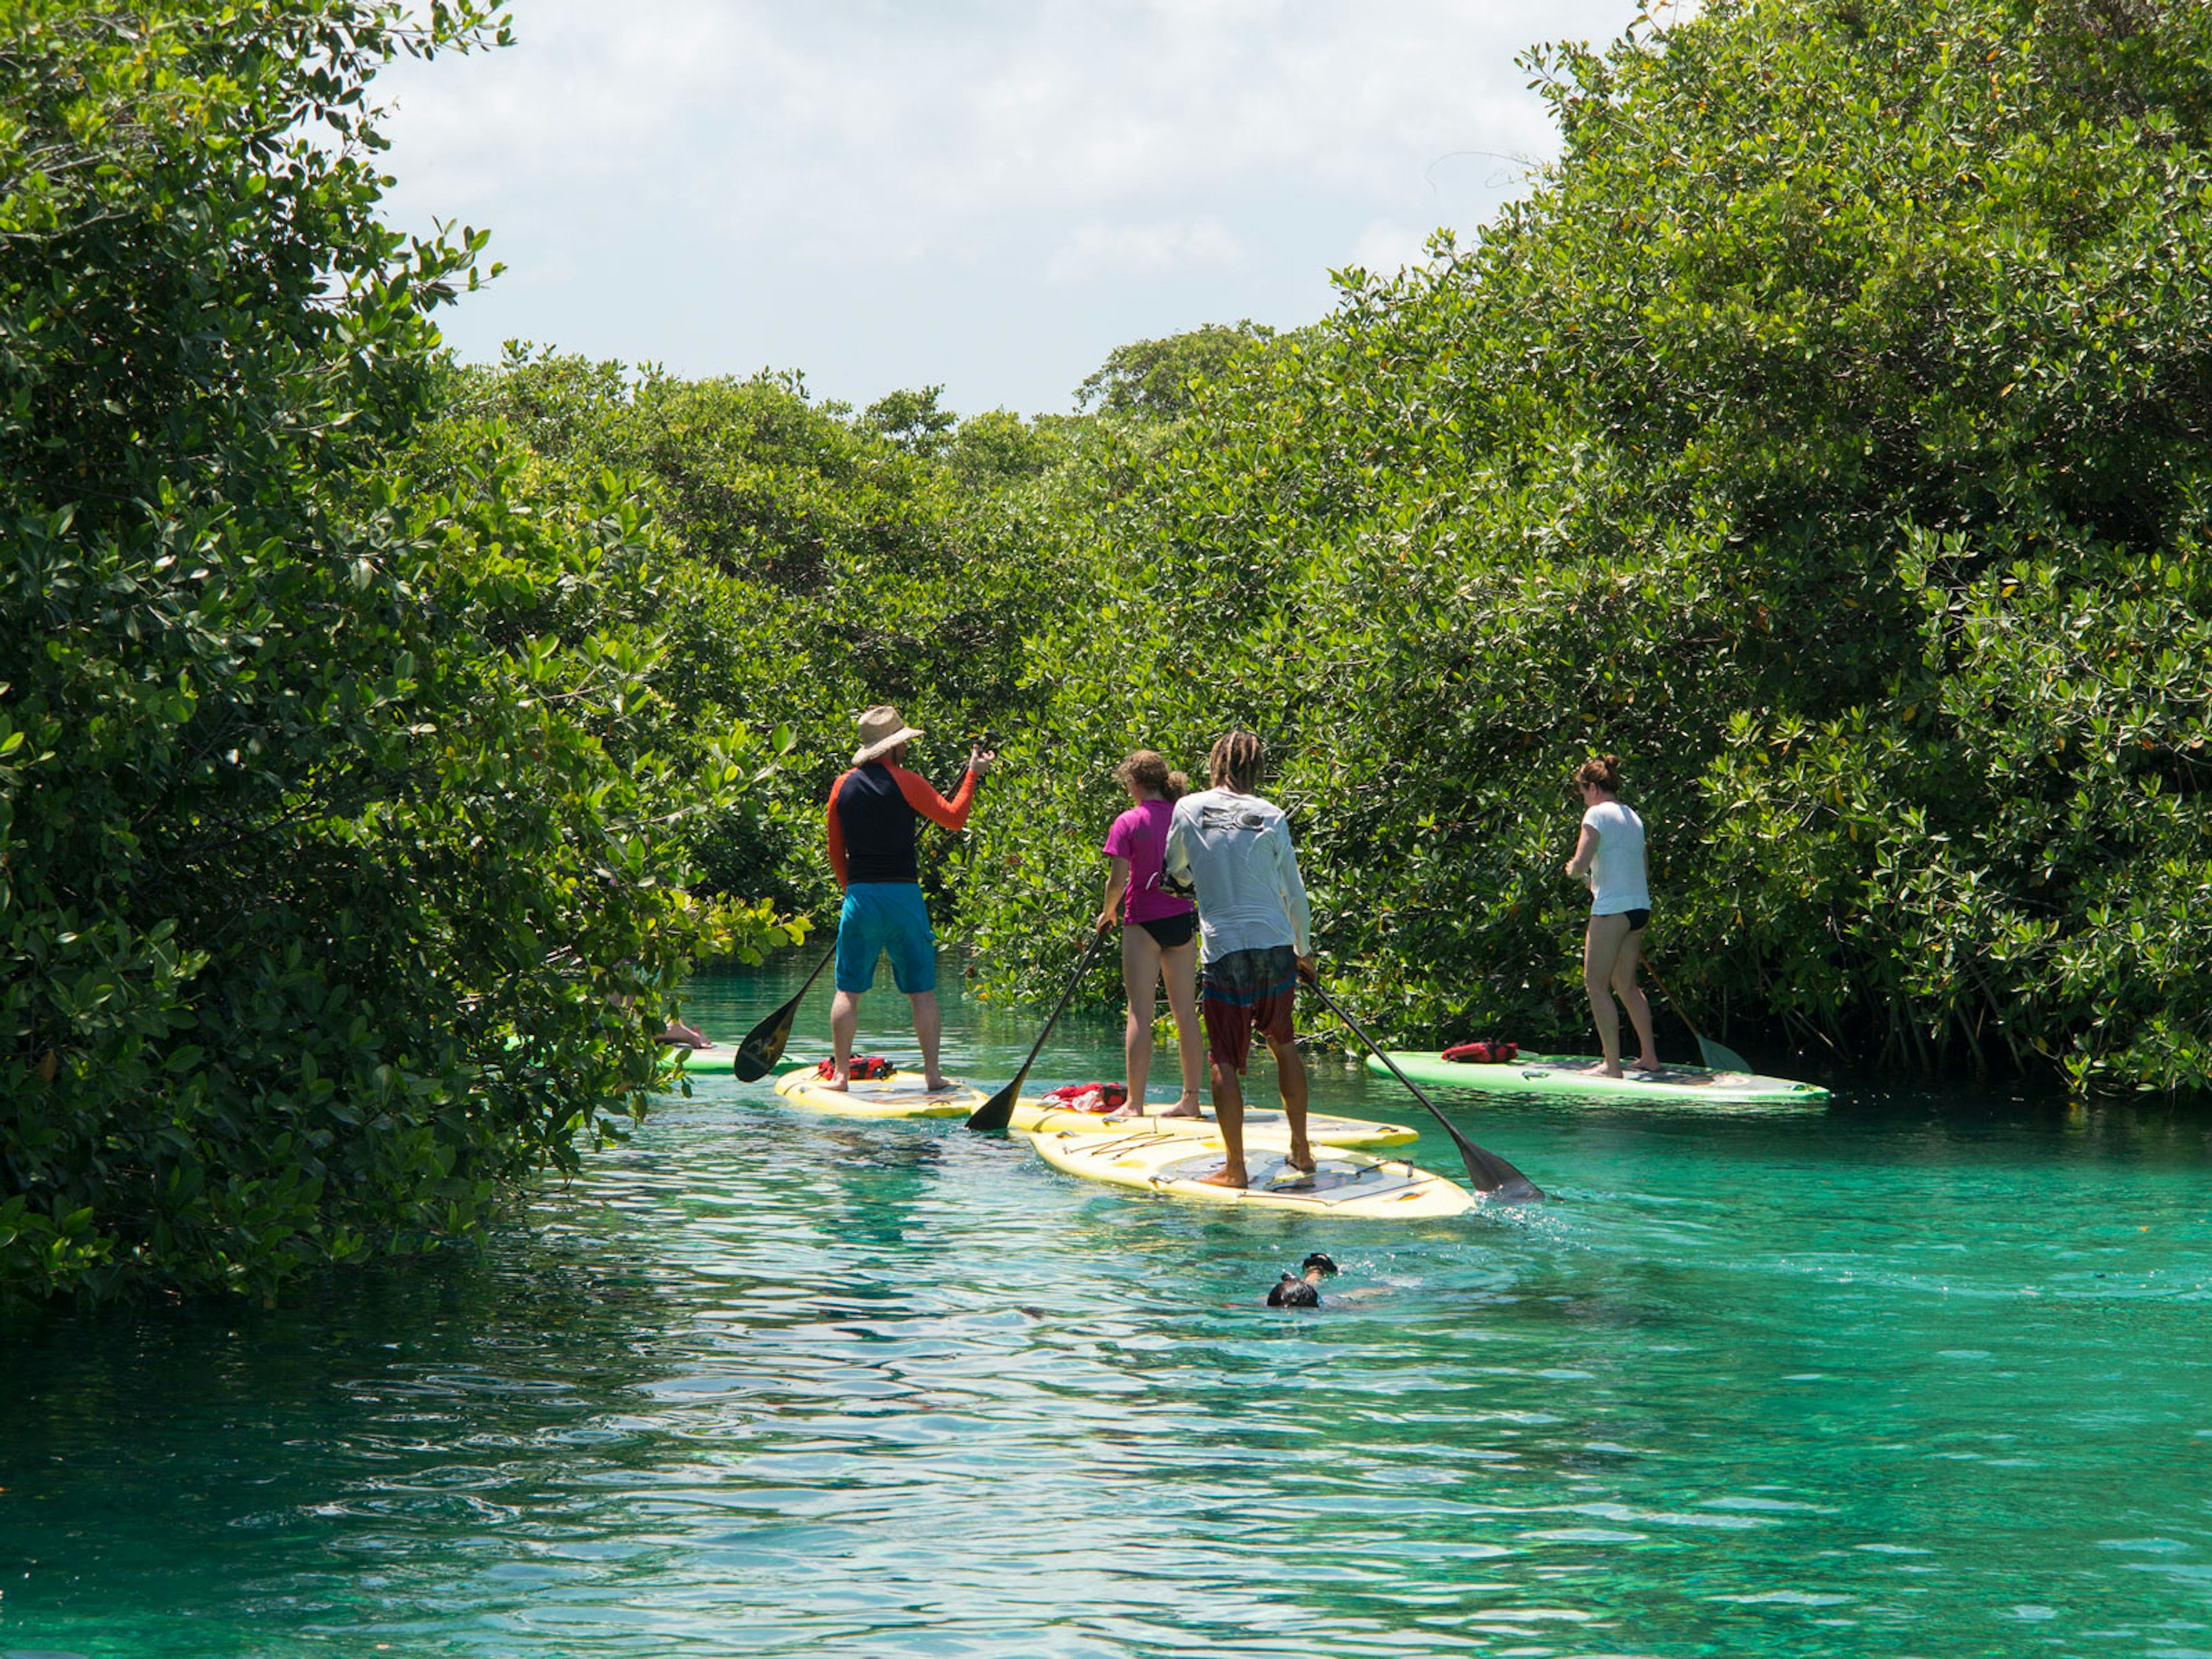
(880, 916)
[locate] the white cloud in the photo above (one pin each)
(1383, 247)
(887, 191)
(1095, 251)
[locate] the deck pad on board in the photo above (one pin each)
(1578, 1074)
(1033, 1116)
(1346, 1183)
(902, 1094)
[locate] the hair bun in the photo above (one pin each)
(1604, 772)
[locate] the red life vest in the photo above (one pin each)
(1483, 1053)
(1090, 1097)
(865, 1068)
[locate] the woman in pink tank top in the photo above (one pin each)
(1159, 932)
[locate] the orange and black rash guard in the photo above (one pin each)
(872, 815)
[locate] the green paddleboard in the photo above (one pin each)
(1578, 1075)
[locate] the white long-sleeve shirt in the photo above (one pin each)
(1235, 849)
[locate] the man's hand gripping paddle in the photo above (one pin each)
(1488, 1173)
(994, 1114)
(764, 1045)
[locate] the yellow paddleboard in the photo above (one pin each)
(900, 1095)
(1033, 1117)
(1348, 1184)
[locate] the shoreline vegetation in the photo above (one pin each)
(1828, 431)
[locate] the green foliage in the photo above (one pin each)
(913, 420)
(813, 565)
(335, 888)
(1157, 379)
(1826, 435)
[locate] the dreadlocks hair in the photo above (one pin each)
(1148, 769)
(1236, 760)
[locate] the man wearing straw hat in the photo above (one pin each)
(875, 812)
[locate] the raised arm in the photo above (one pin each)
(952, 814)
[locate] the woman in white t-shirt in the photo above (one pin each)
(1609, 856)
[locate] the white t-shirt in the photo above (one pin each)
(1236, 850)
(1617, 879)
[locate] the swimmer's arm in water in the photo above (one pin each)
(1362, 1293)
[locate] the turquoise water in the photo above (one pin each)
(1918, 1374)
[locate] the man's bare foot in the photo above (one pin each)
(835, 1085)
(1610, 1071)
(1301, 1158)
(1645, 1063)
(1126, 1110)
(1185, 1107)
(1225, 1176)
(937, 1085)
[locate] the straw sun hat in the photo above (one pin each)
(881, 731)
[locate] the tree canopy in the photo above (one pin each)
(1158, 380)
(331, 892)
(1827, 434)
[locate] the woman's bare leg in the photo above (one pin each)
(1179, 968)
(1631, 998)
(1601, 945)
(1140, 978)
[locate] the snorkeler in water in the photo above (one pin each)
(1302, 1291)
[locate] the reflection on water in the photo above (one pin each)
(1910, 1375)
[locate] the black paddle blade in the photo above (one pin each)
(764, 1045)
(1488, 1173)
(994, 1114)
(1495, 1179)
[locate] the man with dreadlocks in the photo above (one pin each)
(1254, 934)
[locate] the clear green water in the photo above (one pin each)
(1917, 1376)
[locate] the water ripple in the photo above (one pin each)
(1849, 1385)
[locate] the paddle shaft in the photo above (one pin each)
(764, 1045)
(1488, 1172)
(994, 1115)
(1714, 1054)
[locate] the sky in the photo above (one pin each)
(980, 194)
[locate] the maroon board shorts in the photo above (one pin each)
(1244, 992)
